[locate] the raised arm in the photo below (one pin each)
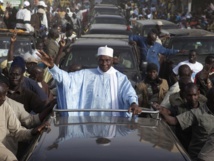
(58, 74)
(11, 48)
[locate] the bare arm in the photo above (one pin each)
(11, 48)
(165, 114)
(170, 120)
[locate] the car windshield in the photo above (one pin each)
(123, 58)
(109, 31)
(20, 47)
(202, 46)
(110, 20)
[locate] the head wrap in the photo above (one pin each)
(19, 62)
(105, 51)
(4, 79)
(151, 67)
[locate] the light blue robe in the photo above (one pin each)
(89, 89)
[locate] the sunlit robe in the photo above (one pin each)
(90, 89)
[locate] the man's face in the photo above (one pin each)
(40, 46)
(3, 93)
(192, 57)
(153, 74)
(192, 96)
(151, 38)
(105, 62)
(15, 76)
(30, 65)
(35, 2)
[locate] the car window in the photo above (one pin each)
(110, 20)
(202, 46)
(87, 58)
(20, 46)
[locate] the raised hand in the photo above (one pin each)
(13, 37)
(46, 59)
(62, 42)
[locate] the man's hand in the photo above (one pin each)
(183, 51)
(62, 42)
(132, 43)
(13, 37)
(46, 59)
(135, 109)
(161, 109)
(39, 129)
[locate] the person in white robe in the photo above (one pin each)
(100, 88)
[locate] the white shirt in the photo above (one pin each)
(23, 18)
(195, 67)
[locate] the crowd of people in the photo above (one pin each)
(27, 84)
(172, 10)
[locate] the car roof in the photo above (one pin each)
(154, 22)
(76, 139)
(100, 42)
(106, 6)
(187, 32)
(109, 26)
(109, 16)
(105, 36)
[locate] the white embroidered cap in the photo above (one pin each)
(160, 23)
(30, 58)
(105, 51)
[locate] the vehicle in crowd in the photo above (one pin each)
(25, 42)
(105, 36)
(106, 9)
(142, 27)
(109, 29)
(109, 19)
(186, 39)
(106, 138)
(84, 52)
(113, 2)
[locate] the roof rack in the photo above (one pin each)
(144, 111)
(18, 31)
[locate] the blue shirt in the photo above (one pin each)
(150, 53)
(88, 89)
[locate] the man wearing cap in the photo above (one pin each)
(99, 88)
(23, 18)
(150, 49)
(42, 5)
(36, 19)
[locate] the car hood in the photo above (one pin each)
(76, 138)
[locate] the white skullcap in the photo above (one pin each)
(160, 23)
(105, 51)
(29, 58)
(40, 10)
(42, 3)
(26, 3)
